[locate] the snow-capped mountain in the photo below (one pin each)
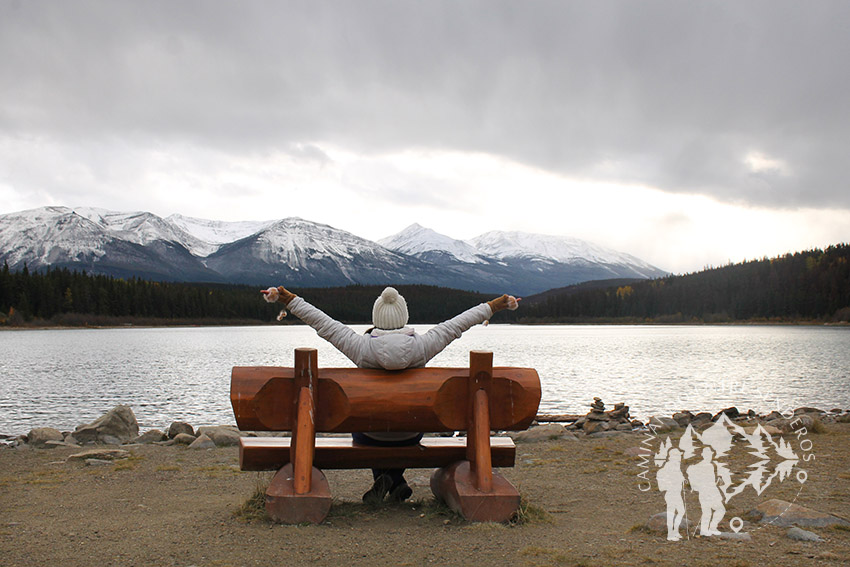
(527, 263)
(298, 252)
(561, 249)
(423, 242)
(120, 244)
(209, 235)
(312, 254)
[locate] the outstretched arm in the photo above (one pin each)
(341, 336)
(439, 337)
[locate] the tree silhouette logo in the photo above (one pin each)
(700, 463)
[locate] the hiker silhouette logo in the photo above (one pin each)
(708, 469)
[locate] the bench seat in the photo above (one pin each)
(272, 453)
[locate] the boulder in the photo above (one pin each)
(99, 454)
(683, 418)
(805, 410)
(222, 436)
(178, 427)
(782, 513)
(202, 442)
(797, 423)
(591, 427)
(152, 436)
(183, 439)
(662, 424)
(799, 534)
(731, 413)
(39, 436)
(118, 423)
(701, 418)
(540, 433)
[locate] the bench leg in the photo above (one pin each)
(286, 506)
(455, 485)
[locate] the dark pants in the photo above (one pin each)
(397, 475)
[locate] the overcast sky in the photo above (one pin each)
(686, 133)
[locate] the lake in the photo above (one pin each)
(62, 378)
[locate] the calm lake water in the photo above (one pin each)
(62, 378)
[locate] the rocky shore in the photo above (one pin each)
(120, 427)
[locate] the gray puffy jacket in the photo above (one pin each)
(390, 350)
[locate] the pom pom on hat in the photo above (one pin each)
(390, 310)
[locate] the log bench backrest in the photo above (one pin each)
(353, 399)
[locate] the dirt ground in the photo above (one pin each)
(172, 506)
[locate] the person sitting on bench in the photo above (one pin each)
(390, 345)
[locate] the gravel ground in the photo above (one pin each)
(175, 506)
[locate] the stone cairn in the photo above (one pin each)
(598, 419)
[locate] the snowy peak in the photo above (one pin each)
(211, 234)
(416, 240)
(501, 245)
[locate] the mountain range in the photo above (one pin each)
(300, 253)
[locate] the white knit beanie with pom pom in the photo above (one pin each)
(390, 310)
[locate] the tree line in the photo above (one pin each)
(65, 297)
(812, 285)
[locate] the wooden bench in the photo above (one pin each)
(306, 400)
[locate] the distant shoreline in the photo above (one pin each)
(100, 323)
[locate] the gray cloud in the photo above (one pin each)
(666, 93)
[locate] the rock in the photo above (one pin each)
(178, 427)
(782, 513)
(51, 444)
(183, 439)
(773, 415)
(223, 436)
(119, 422)
(797, 423)
(731, 413)
(805, 410)
(799, 534)
(683, 418)
(591, 427)
(109, 440)
(596, 416)
(701, 418)
(597, 405)
(843, 418)
(662, 424)
(151, 436)
(97, 462)
(99, 454)
(202, 442)
(540, 433)
(769, 429)
(624, 427)
(620, 413)
(39, 436)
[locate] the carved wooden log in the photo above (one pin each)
(355, 399)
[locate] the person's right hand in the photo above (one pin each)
(504, 302)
